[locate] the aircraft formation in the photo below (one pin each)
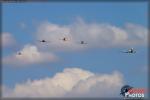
(129, 51)
(64, 39)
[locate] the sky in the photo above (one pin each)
(70, 67)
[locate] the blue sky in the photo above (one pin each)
(97, 60)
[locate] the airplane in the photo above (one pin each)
(19, 53)
(43, 41)
(129, 51)
(64, 39)
(82, 42)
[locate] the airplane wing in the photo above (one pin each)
(134, 51)
(124, 51)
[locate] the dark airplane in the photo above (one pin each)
(130, 51)
(43, 41)
(19, 53)
(64, 39)
(82, 42)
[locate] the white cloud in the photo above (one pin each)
(5, 90)
(7, 39)
(95, 34)
(29, 54)
(72, 82)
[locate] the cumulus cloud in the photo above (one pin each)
(95, 34)
(7, 39)
(5, 90)
(29, 54)
(72, 82)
